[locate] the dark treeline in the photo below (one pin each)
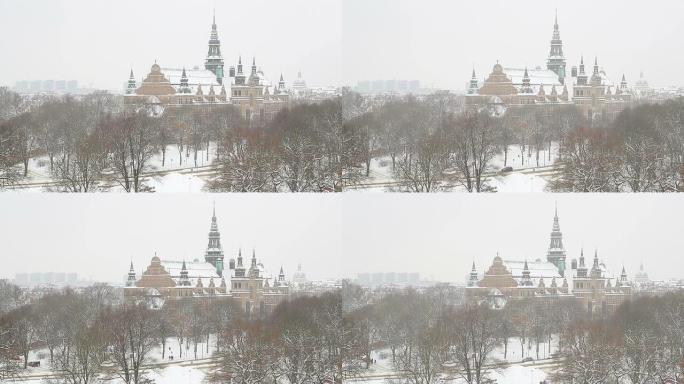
(432, 144)
(307, 148)
(431, 333)
(92, 143)
(641, 151)
(642, 342)
(90, 336)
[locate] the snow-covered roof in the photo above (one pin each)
(538, 269)
(537, 76)
(195, 76)
(196, 269)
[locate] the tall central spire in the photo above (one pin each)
(556, 60)
(556, 253)
(214, 252)
(214, 61)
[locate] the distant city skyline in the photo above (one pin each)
(438, 236)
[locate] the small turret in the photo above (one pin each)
(581, 269)
(542, 92)
(130, 281)
(130, 88)
(281, 83)
(473, 86)
(623, 83)
(254, 269)
(472, 281)
(281, 275)
(184, 86)
(526, 279)
(595, 268)
(184, 279)
(526, 86)
(564, 96)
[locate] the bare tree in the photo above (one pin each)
(472, 340)
(132, 334)
(248, 354)
(133, 141)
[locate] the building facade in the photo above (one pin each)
(594, 289)
(253, 290)
(595, 95)
(253, 94)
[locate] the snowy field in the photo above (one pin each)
(526, 176)
(171, 369)
(180, 172)
(509, 370)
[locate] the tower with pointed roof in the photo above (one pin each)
(526, 86)
(214, 252)
(239, 268)
(184, 280)
(130, 281)
(214, 61)
(582, 76)
(473, 86)
(595, 268)
(281, 84)
(556, 252)
(254, 76)
(526, 280)
(130, 88)
(582, 268)
(556, 61)
(596, 76)
(472, 281)
(184, 86)
(253, 268)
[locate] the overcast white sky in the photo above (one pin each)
(97, 41)
(439, 41)
(337, 41)
(337, 236)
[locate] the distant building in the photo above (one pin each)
(641, 277)
(299, 277)
(48, 279)
(596, 97)
(252, 289)
(388, 278)
(47, 86)
(388, 87)
(596, 290)
(257, 98)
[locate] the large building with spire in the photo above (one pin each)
(253, 289)
(596, 96)
(595, 289)
(257, 98)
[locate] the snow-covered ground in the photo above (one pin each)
(180, 172)
(177, 174)
(173, 368)
(509, 370)
(526, 176)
